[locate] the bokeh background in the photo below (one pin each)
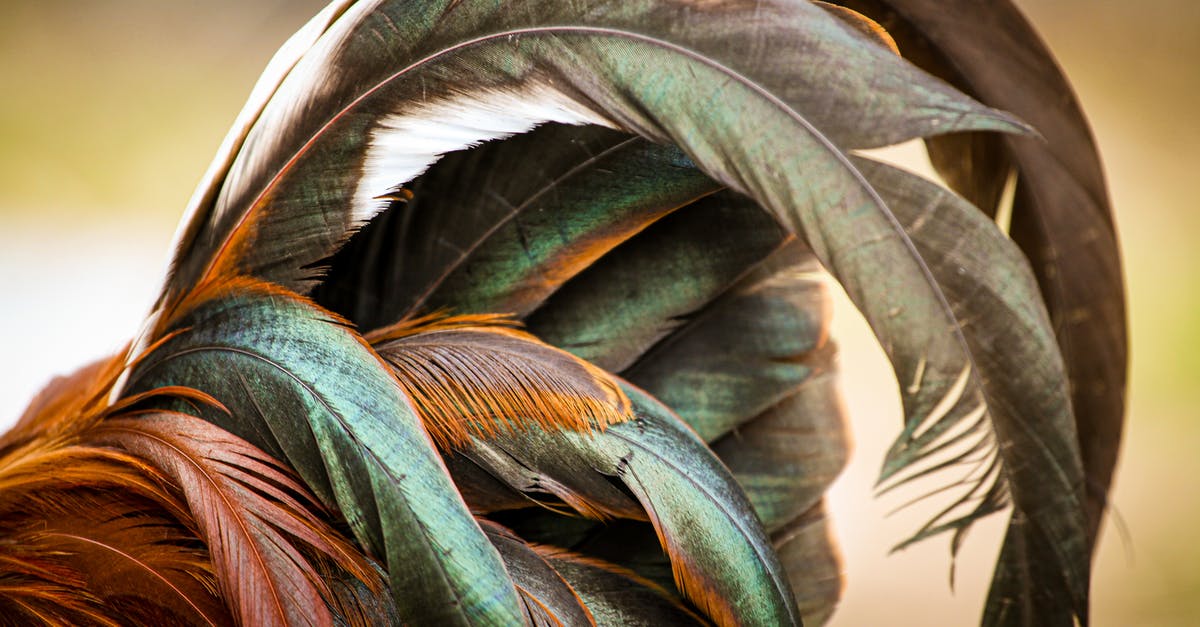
(110, 111)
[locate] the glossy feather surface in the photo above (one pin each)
(518, 313)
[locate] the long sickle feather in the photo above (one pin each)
(1061, 216)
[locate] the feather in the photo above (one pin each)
(744, 351)
(533, 471)
(752, 372)
(808, 552)
(614, 311)
(476, 375)
(1018, 396)
(308, 387)
(246, 508)
(617, 596)
(548, 597)
(500, 227)
(199, 210)
(787, 456)
(785, 459)
(1061, 215)
(719, 553)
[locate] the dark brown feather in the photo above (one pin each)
(1061, 215)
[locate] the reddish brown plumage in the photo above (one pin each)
(481, 374)
(108, 513)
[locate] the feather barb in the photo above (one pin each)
(479, 375)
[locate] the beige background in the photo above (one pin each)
(110, 111)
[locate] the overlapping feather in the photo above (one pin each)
(720, 555)
(301, 385)
(1061, 216)
(613, 244)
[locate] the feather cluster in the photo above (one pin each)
(517, 313)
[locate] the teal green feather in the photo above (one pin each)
(746, 350)
(721, 556)
(339, 418)
(753, 373)
(613, 312)
(500, 227)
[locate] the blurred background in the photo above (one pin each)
(110, 112)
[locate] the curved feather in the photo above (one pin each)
(753, 373)
(201, 204)
(809, 552)
(248, 511)
(617, 596)
(720, 556)
(744, 351)
(1018, 390)
(640, 292)
(549, 599)
(321, 158)
(1061, 215)
(297, 381)
(785, 459)
(501, 226)
(534, 469)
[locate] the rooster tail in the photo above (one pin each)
(482, 313)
